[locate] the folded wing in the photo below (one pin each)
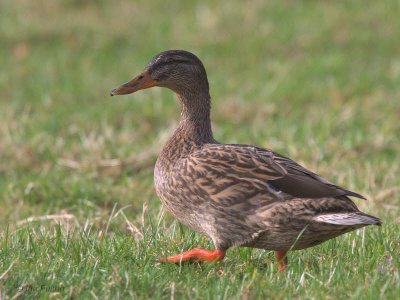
(262, 166)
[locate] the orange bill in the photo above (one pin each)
(140, 82)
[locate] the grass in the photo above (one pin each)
(78, 263)
(316, 81)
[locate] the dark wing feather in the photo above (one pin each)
(303, 183)
(262, 165)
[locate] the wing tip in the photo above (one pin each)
(354, 194)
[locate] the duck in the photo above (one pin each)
(235, 194)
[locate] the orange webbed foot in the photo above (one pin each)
(197, 254)
(282, 260)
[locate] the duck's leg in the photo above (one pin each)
(197, 254)
(282, 260)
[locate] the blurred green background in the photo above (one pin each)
(318, 81)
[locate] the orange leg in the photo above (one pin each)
(197, 254)
(282, 260)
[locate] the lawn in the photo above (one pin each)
(318, 81)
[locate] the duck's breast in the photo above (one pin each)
(183, 200)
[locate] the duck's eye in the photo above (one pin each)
(140, 77)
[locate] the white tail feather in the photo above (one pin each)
(348, 219)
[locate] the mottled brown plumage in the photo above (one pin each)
(238, 195)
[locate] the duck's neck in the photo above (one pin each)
(195, 123)
(194, 128)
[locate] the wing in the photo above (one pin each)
(260, 166)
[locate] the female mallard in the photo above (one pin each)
(238, 195)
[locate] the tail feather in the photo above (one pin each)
(349, 219)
